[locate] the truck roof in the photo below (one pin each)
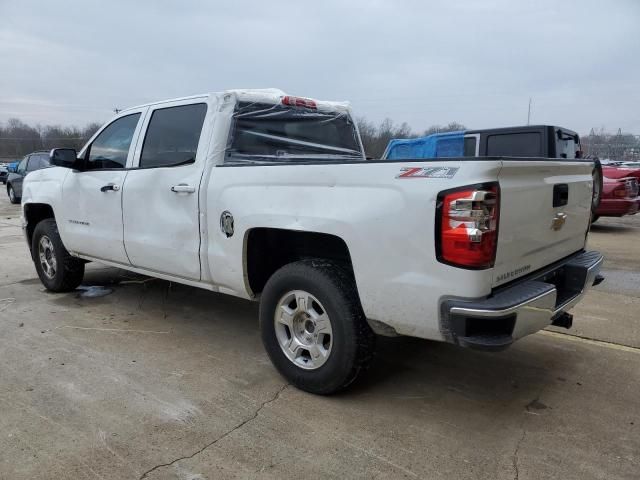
(264, 95)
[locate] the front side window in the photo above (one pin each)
(172, 136)
(111, 147)
(278, 133)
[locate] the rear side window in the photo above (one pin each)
(527, 144)
(173, 135)
(279, 133)
(566, 144)
(470, 146)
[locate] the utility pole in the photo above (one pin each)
(529, 112)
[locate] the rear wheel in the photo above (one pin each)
(597, 187)
(57, 269)
(313, 326)
(13, 198)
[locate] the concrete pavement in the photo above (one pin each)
(163, 381)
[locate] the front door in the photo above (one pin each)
(160, 196)
(18, 178)
(92, 197)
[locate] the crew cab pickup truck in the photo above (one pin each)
(269, 197)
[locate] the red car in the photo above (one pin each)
(619, 197)
(621, 170)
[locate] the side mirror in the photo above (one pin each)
(63, 157)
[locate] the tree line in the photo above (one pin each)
(375, 138)
(18, 138)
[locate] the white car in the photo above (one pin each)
(269, 197)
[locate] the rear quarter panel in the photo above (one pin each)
(387, 223)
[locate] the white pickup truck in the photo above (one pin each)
(261, 195)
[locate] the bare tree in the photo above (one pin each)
(376, 138)
(18, 139)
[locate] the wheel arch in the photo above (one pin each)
(268, 249)
(34, 213)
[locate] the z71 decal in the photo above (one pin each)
(428, 172)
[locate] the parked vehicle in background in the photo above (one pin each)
(30, 163)
(621, 170)
(532, 141)
(4, 173)
(265, 196)
(619, 198)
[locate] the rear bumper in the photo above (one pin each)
(617, 207)
(523, 307)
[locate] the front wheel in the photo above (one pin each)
(313, 326)
(57, 269)
(13, 198)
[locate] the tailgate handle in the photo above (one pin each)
(560, 194)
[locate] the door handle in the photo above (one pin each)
(183, 188)
(110, 186)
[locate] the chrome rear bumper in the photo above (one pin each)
(523, 307)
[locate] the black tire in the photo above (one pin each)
(13, 198)
(597, 180)
(353, 341)
(69, 270)
(594, 218)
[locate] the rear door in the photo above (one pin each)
(544, 214)
(160, 195)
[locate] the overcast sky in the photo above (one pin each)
(475, 62)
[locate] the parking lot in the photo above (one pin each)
(157, 380)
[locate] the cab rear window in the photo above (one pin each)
(267, 133)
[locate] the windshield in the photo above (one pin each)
(278, 133)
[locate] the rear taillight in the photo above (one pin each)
(632, 187)
(299, 102)
(620, 191)
(627, 188)
(467, 226)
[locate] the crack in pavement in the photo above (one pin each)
(514, 457)
(221, 437)
(592, 341)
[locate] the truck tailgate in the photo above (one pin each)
(545, 209)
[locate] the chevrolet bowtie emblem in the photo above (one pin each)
(558, 221)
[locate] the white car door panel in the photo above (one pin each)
(160, 197)
(92, 197)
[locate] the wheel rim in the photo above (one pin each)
(596, 188)
(303, 329)
(12, 195)
(47, 257)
